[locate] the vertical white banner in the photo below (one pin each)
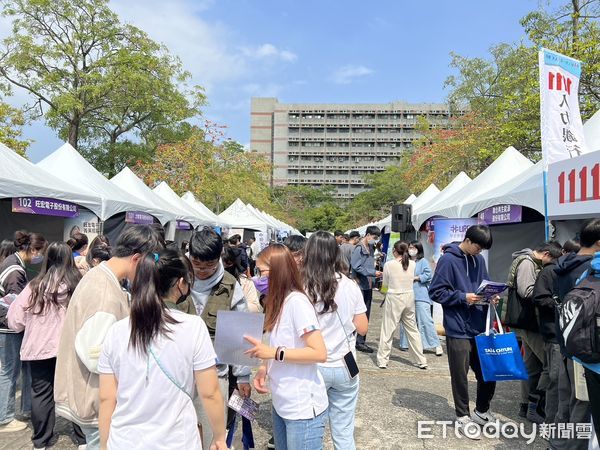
(561, 126)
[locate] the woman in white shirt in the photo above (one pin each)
(341, 311)
(398, 277)
(149, 363)
(294, 347)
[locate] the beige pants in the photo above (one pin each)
(207, 434)
(399, 307)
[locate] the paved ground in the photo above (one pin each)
(390, 404)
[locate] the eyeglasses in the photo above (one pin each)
(262, 272)
(204, 266)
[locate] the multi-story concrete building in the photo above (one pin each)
(336, 144)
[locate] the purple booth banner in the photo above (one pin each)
(502, 214)
(139, 218)
(183, 225)
(44, 206)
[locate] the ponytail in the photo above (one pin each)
(401, 248)
(155, 275)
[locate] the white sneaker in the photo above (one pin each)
(14, 425)
(82, 447)
(39, 448)
(465, 426)
(421, 366)
(483, 418)
(439, 351)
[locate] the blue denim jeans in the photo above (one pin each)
(303, 434)
(429, 336)
(10, 369)
(92, 438)
(342, 392)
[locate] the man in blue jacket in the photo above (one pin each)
(458, 274)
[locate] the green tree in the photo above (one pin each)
(11, 121)
(93, 78)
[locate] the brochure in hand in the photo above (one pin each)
(489, 289)
(245, 406)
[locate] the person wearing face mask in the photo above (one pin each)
(522, 318)
(423, 303)
(215, 289)
(97, 303)
(13, 279)
(173, 350)
(458, 274)
(363, 271)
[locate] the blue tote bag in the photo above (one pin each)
(499, 353)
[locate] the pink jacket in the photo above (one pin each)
(42, 331)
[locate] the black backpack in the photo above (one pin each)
(518, 312)
(579, 320)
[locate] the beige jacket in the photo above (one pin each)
(97, 303)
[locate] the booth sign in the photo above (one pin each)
(183, 225)
(501, 214)
(44, 206)
(139, 218)
(574, 187)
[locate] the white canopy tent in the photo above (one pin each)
(130, 182)
(238, 215)
(164, 191)
(527, 189)
(21, 178)
(508, 165)
(426, 197)
(411, 198)
(387, 220)
(197, 205)
(67, 163)
(269, 221)
(460, 181)
(591, 131)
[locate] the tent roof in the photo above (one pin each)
(269, 220)
(527, 189)
(591, 131)
(164, 191)
(67, 163)
(508, 165)
(426, 196)
(411, 198)
(240, 216)
(21, 178)
(130, 182)
(197, 205)
(460, 181)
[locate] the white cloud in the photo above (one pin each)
(347, 74)
(269, 51)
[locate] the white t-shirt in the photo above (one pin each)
(350, 302)
(152, 412)
(297, 390)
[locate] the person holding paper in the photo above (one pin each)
(290, 358)
(340, 311)
(151, 361)
(459, 272)
(215, 289)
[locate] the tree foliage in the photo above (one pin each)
(11, 121)
(94, 79)
(216, 173)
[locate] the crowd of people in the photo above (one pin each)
(118, 339)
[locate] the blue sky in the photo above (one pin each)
(313, 51)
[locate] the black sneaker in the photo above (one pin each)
(271, 443)
(364, 348)
(523, 410)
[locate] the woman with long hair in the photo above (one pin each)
(423, 276)
(7, 248)
(341, 311)
(291, 356)
(40, 310)
(30, 249)
(149, 363)
(398, 277)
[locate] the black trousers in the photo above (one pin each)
(368, 299)
(462, 354)
(592, 380)
(42, 400)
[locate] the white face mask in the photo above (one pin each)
(373, 241)
(37, 259)
(413, 252)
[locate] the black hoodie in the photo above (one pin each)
(543, 298)
(568, 269)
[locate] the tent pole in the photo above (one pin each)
(546, 221)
